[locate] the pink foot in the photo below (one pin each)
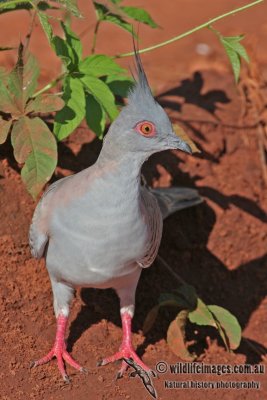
(126, 350)
(59, 351)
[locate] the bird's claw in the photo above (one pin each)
(61, 355)
(84, 370)
(32, 364)
(132, 374)
(99, 362)
(118, 375)
(66, 379)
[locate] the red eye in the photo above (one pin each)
(146, 128)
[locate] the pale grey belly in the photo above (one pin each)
(95, 253)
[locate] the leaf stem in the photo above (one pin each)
(195, 29)
(29, 35)
(95, 36)
(172, 272)
(50, 85)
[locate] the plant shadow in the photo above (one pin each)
(189, 91)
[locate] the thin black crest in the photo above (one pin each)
(141, 92)
(139, 70)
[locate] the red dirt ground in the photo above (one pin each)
(219, 246)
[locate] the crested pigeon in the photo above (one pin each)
(100, 227)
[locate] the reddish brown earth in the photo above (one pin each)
(219, 246)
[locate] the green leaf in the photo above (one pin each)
(63, 51)
(100, 65)
(7, 104)
(235, 51)
(229, 324)
(22, 81)
(102, 94)
(73, 42)
(117, 20)
(43, 6)
(140, 15)
(221, 319)
(188, 293)
(201, 315)
(4, 129)
(167, 298)
(95, 116)
(234, 43)
(3, 75)
(104, 14)
(234, 60)
(69, 50)
(176, 337)
(153, 313)
(70, 5)
(119, 85)
(35, 145)
(73, 112)
(44, 21)
(6, 6)
(45, 103)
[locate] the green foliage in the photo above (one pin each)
(68, 5)
(234, 50)
(104, 14)
(4, 129)
(85, 92)
(44, 21)
(34, 145)
(100, 65)
(117, 15)
(95, 115)
(139, 15)
(192, 308)
(102, 94)
(228, 324)
(70, 116)
(93, 87)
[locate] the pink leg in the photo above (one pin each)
(59, 351)
(126, 349)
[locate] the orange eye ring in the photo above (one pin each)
(146, 128)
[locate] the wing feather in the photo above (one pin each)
(154, 221)
(39, 232)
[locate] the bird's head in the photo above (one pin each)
(143, 127)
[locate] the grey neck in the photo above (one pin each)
(124, 166)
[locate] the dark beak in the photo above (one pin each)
(174, 142)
